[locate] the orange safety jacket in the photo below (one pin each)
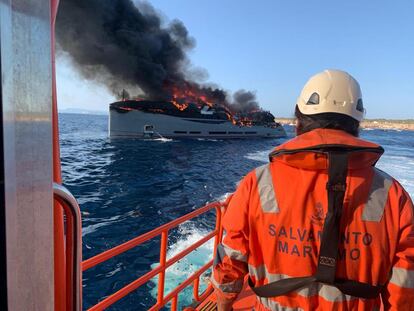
(273, 228)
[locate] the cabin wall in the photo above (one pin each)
(27, 141)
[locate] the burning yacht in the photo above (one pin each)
(150, 119)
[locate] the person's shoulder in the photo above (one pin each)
(256, 172)
(394, 187)
(251, 177)
(383, 175)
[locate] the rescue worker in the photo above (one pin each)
(320, 227)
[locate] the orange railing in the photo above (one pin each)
(72, 292)
(62, 295)
(160, 270)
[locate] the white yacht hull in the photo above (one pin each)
(135, 123)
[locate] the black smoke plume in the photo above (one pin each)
(127, 46)
(244, 101)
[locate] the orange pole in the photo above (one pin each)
(59, 247)
(69, 262)
(174, 303)
(163, 259)
(195, 289)
(219, 229)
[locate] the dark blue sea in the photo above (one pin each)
(126, 187)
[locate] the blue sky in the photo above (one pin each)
(273, 47)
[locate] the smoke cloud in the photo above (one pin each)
(128, 46)
(244, 101)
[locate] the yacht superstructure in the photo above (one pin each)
(149, 119)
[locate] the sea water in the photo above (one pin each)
(126, 187)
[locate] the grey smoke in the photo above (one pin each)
(244, 101)
(127, 46)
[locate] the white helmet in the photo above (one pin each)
(332, 91)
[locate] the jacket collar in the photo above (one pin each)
(309, 150)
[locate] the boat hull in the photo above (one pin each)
(136, 123)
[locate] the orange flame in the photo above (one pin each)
(181, 97)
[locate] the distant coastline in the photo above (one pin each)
(372, 123)
(82, 111)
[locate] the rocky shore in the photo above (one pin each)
(373, 124)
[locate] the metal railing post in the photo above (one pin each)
(163, 259)
(73, 247)
(219, 229)
(196, 285)
(174, 303)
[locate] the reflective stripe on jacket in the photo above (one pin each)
(273, 227)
